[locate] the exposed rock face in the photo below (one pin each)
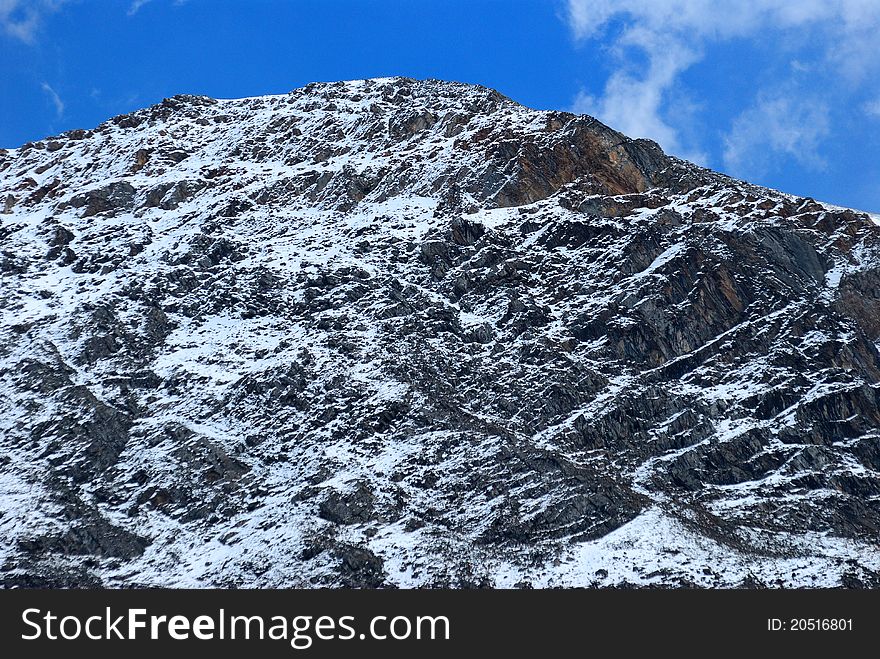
(410, 333)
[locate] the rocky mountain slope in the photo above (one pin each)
(410, 333)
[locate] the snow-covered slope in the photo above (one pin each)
(398, 332)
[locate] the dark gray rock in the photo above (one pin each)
(112, 198)
(355, 507)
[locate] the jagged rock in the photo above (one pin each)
(355, 507)
(409, 122)
(36, 375)
(110, 198)
(12, 264)
(360, 568)
(61, 237)
(465, 232)
(98, 539)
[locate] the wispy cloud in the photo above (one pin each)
(836, 37)
(632, 102)
(135, 6)
(778, 125)
(22, 19)
(872, 108)
(54, 98)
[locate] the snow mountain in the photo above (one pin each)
(401, 333)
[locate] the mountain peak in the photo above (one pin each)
(375, 139)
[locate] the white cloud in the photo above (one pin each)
(18, 20)
(872, 108)
(777, 125)
(21, 19)
(54, 98)
(837, 36)
(724, 19)
(135, 6)
(632, 103)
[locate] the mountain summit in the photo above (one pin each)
(411, 333)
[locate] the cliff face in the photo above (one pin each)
(397, 332)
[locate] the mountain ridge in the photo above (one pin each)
(411, 333)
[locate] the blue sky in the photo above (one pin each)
(785, 93)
